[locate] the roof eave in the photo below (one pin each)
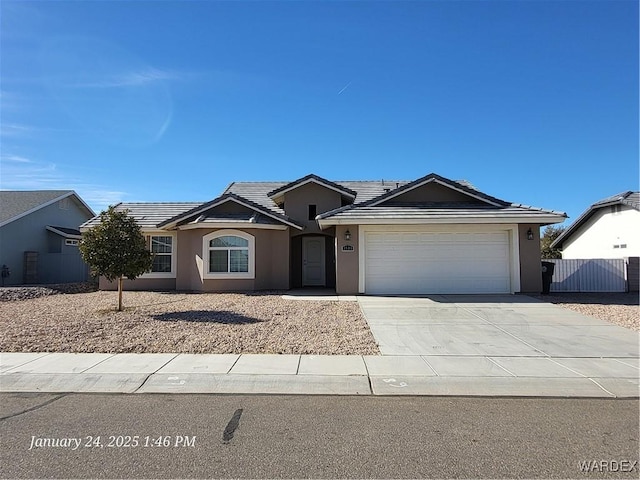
(172, 223)
(376, 220)
(63, 234)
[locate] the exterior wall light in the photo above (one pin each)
(529, 234)
(347, 235)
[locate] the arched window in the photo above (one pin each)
(228, 254)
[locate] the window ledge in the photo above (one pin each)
(229, 276)
(158, 275)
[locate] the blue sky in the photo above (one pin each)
(533, 102)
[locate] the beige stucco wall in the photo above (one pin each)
(530, 264)
(297, 201)
(271, 262)
(347, 262)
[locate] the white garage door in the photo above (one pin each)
(419, 262)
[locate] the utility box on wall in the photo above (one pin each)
(30, 270)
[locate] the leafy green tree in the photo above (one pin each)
(549, 235)
(116, 248)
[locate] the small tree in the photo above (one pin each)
(116, 248)
(549, 235)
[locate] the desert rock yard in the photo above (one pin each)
(617, 308)
(183, 323)
(38, 319)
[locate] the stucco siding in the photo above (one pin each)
(29, 233)
(598, 237)
(530, 263)
(271, 262)
(297, 201)
(347, 265)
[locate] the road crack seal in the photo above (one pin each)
(44, 404)
(232, 426)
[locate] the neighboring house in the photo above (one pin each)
(432, 235)
(39, 236)
(609, 228)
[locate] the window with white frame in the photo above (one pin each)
(71, 242)
(162, 248)
(228, 254)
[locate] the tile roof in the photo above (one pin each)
(311, 177)
(246, 219)
(495, 208)
(442, 213)
(15, 203)
(256, 195)
(148, 215)
(432, 177)
(225, 198)
(629, 198)
(257, 192)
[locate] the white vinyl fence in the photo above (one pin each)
(593, 275)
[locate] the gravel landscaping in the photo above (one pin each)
(181, 323)
(56, 318)
(618, 308)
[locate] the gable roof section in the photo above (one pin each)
(432, 177)
(311, 178)
(201, 209)
(493, 210)
(629, 198)
(258, 192)
(16, 204)
(147, 214)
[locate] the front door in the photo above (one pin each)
(313, 265)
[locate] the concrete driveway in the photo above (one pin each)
(500, 335)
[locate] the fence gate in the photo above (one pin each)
(590, 275)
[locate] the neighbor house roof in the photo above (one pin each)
(15, 204)
(629, 198)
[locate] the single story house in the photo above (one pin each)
(39, 236)
(431, 235)
(610, 228)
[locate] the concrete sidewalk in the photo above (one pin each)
(320, 374)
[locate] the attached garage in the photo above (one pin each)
(418, 261)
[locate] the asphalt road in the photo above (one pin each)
(213, 436)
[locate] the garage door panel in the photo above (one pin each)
(420, 262)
